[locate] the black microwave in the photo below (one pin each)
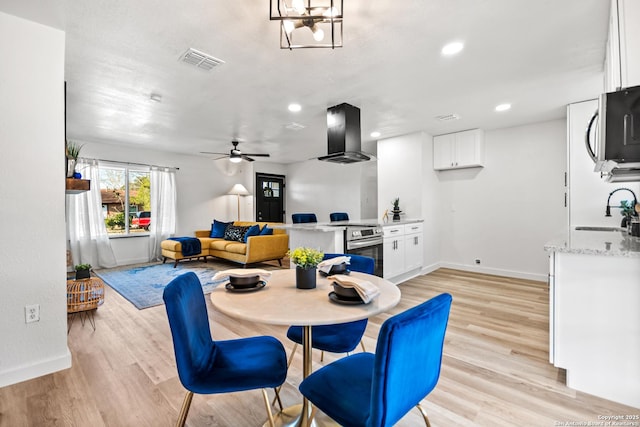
(619, 127)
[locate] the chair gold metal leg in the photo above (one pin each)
(293, 352)
(186, 404)
(424, 415)
(322, 356)
(266, 403)
(314, 410)
(277, 391)
(362, 345)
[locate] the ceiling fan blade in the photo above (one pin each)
(244, 157)
(257, 155)
(209, 152)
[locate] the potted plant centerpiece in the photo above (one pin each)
(83, 271)
(72, 152)
(306, 261)
(396, 209)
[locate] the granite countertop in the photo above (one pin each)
(341, 225)
(609, 243)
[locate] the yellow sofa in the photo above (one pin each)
(257, 248)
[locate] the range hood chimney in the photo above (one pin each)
(343, 135)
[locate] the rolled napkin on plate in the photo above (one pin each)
(242, 272)
(367, 290)
(326, 265)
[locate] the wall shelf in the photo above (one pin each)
(76, 186)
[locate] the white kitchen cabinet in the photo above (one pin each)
(413, 247)
(459, 150)
(393, 251)
(402, 251)
(622, 60)
(595, 323)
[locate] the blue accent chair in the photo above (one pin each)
(301, 218)
(376, 390)
(342, 337)
(206, 366)
(339, 216)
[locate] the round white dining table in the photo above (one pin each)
(281, 303)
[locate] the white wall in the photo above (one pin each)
(405, 170)
(32, 222)
(504, 213)
(322, 187)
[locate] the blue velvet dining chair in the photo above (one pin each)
(301, 218)
(206, 366)
(339, 216)
(377, 390)
(342, 337)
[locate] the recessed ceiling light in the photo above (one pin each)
(503, 107)
(452, 48)
(294, 108)
(375, 134)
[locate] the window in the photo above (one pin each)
(126, 199)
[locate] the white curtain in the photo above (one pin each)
(88, 236)
(163, 209)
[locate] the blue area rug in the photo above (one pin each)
(143, 286)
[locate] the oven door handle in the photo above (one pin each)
(357, 244)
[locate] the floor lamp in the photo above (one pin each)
(238, 190)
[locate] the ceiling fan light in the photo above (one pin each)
(235, 159)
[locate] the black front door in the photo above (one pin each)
(269, 197)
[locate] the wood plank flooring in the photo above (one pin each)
(495, 368)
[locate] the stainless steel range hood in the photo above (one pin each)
(343, 135)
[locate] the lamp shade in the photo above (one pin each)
(239, 189)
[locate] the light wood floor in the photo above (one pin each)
(495, 370)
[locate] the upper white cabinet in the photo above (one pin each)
(459, 150)
(622, 62)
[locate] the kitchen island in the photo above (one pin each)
(594, 304)
(329, 236)
(396, 246)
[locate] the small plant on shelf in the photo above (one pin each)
(83, 271)
(396, 209)
(73, 150)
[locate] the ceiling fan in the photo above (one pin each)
(235, 155)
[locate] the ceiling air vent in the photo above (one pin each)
(200, 59)
(447, 117)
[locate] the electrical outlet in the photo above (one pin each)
(477, 261)
(32, 313)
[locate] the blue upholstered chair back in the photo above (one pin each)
(407, 360)
(299, 218)
(187, 313)
(339, 216)
(363, 264)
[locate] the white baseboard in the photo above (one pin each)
(130, 261)
(495, 271)
(38, 369)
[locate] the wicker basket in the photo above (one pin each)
(84, 294)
